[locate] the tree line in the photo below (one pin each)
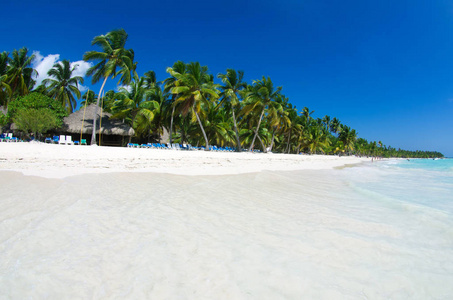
(189, 104)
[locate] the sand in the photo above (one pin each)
(59, 161)
(287, 227)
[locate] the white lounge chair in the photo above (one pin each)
(69, 140)
(62, 140)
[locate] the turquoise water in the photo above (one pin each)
(424, 182)
(381, 230)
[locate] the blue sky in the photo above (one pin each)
(384, 68)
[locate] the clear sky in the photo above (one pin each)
(384, 68)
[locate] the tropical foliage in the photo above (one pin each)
(37, 101)
(136, 106)
(62, 86)
(36, 113)
(188, 105)
(16, 75)
(35, 121)
(113, 60)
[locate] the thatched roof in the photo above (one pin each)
(73, 123)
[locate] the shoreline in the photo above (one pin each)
(60, 161)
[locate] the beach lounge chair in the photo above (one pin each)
(12, 138)
(62, 139)
(4, 137)
(83, 142)
(48, 140)
(69, 140)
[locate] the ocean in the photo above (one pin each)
(381, 230)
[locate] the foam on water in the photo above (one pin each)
(382, 230)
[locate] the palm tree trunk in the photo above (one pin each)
(171, 123)
(289, 136)
(202, 129)
(93, 135)
(238, 142)
(256, 130)
(273, 136)
(262, 144)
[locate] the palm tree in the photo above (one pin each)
(179, 67)
(317, 139)
(5, 89)
(347, 137)
(113, 60)
(259, 97)
(64, 86)
(293, 125)
(232, 85)
(278, 116)
(134, 106)
(150, 79)
(326, 120)
(4, 57)
(194, 89)
(219, 125)
(248, 134)
(20, 74)
(335, 126)
(108, 100)
(161, 98)
(306, 113)
(88, 98)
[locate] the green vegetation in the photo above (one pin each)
(189, 105)
(112, 61)
(37, 101)
(36, 121)
(36, 113)
(62, 86)
(3, 119)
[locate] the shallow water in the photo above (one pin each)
(378, 231)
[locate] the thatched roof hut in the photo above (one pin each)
(73, 123)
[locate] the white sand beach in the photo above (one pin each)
(57, 161)
(125, 225)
